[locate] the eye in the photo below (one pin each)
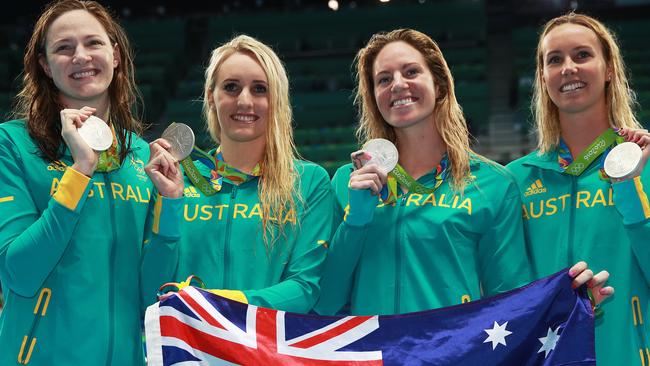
(95, 42)
(382, 80)
(553, 60)
(412, 72)
(230, 87)
(63, 47)
(584, 54)
(260, 89)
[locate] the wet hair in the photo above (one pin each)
(38, 100)
(619, 96)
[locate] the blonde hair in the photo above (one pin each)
(277, 171)
(619, 96)
(449, 117)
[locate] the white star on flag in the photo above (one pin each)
(497, 335)
(549, 342)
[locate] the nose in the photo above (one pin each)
(245, 99)
(569, 67)
(399, 83)
(81, 55)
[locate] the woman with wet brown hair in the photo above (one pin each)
(74, 216)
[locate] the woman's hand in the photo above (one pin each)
(84, 157)
(581, 274)
(368, 176)
(639, 137)
(163, 170)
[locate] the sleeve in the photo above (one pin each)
(344, 252)
(160, 252)
(504, 257)
(33, 242)
(631, 201)
(299, 288)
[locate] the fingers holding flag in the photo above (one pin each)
(581, 275)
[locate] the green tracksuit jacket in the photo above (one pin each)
(69, 260)
(428, 250)
(568, 219)
(219, 238)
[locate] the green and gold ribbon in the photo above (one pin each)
(587, 156)
(219, 170)
(399, 175)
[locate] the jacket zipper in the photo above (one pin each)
(398, 254)
(111, 273)
(574, 184)
(226, 244)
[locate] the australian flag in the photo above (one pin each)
(543, 323)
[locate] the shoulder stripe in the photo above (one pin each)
(6, 199)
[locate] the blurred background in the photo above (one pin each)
(489, 46)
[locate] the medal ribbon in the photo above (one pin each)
(192, 280)
(109, 160)
(219, 170)
(588, 155)
(399, 175)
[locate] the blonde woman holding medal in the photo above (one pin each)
(73, 217)
(253, 221)
(572, 209)
(444, 227)
(445, 222)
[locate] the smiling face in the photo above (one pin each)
(403, 86)
(575, 70)
(79, 58)
(241, 98)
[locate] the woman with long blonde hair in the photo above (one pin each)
(441, 226)
(573, 210)
(257, 229)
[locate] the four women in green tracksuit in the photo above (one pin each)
(254, 221)
(73, 219)
(572, 210)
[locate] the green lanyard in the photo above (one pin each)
(219, 170)
(406, 180)
(588, 155)
(193, 173)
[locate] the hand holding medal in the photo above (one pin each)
(81, 132)
(627, 160)
(163, 169)
(372, 165)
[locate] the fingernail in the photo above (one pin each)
(572, 273)
(616, 129)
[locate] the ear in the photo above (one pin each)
(610, 73)
(46, 67)
(116, 56)
(210, 94)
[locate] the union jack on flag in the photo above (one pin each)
(543, 323)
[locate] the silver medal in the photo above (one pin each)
(96, 134)
(181, 137)
(382, 153)
(623, 160)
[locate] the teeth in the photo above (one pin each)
(243, 118)
(403, 101)
(84, 74)
(573, 86)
